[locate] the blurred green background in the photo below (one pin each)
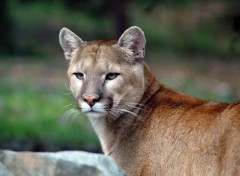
(192, 46)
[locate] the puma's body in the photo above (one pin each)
(147, 128)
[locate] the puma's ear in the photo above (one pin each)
(70, 43)
(133, 42)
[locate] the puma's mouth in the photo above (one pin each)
(100, 109)
(97, 108)
(91, 111)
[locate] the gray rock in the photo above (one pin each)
(66, 163)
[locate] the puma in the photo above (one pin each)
(146, 127)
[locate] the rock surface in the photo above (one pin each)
(66, 163)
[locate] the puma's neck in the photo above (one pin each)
(151, 84)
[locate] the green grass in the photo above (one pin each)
(32, 119)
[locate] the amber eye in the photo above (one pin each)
(79, 75)
(111, 76)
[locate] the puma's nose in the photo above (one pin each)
(90, 99)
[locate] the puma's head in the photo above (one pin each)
(106, 77)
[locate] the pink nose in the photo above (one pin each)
(91, 100)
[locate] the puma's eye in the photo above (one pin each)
(111, 76)
(79, 75)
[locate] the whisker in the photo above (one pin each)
(124, 110)
(71, 113)
(65, 93)
(137, 104)
(66, 86)
(65, 107)
(117, 113)
(74, 116)
(67, 114)
(112, 113)
(138, 108)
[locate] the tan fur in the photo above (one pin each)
(171, 133)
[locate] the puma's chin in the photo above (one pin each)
(94, 114)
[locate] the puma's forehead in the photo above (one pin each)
(98, 53)
(96, 48)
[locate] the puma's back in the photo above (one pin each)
(147, 128)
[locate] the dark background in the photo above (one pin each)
(192, 46)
